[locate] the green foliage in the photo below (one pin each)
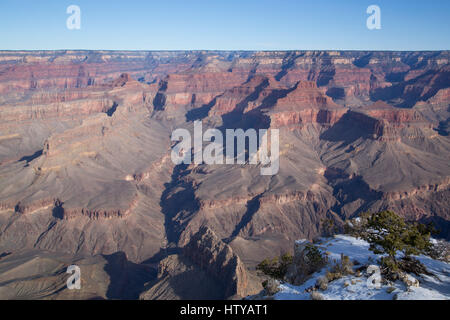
(417, 239)
(314, 257)
(307, 260)
(329, 227)
(276, 267)
(389, 265)
(388, 233)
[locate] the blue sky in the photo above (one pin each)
(225, 25)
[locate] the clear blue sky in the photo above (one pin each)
(225, 25)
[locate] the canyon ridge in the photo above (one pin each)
(86, 175)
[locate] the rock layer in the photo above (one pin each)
(85, 163)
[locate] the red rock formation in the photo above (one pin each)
(85, 137)
(395, 116)
(306, 94)
(306, 104)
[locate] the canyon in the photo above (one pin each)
(86, 175)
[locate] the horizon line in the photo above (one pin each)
(225, 50)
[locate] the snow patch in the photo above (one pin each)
(351, 287)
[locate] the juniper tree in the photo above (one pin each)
(388, 233)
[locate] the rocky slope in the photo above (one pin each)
(85, 165)
(206, 260)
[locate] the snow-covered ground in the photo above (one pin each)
(351, 287)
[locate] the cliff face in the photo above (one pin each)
(218, 259)
(206, 260)
(85, 150)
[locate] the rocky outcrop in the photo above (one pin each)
(41, 204)
(96, 214)
(319, 116)
(307, 259)
(219, 261)
(206, 260)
